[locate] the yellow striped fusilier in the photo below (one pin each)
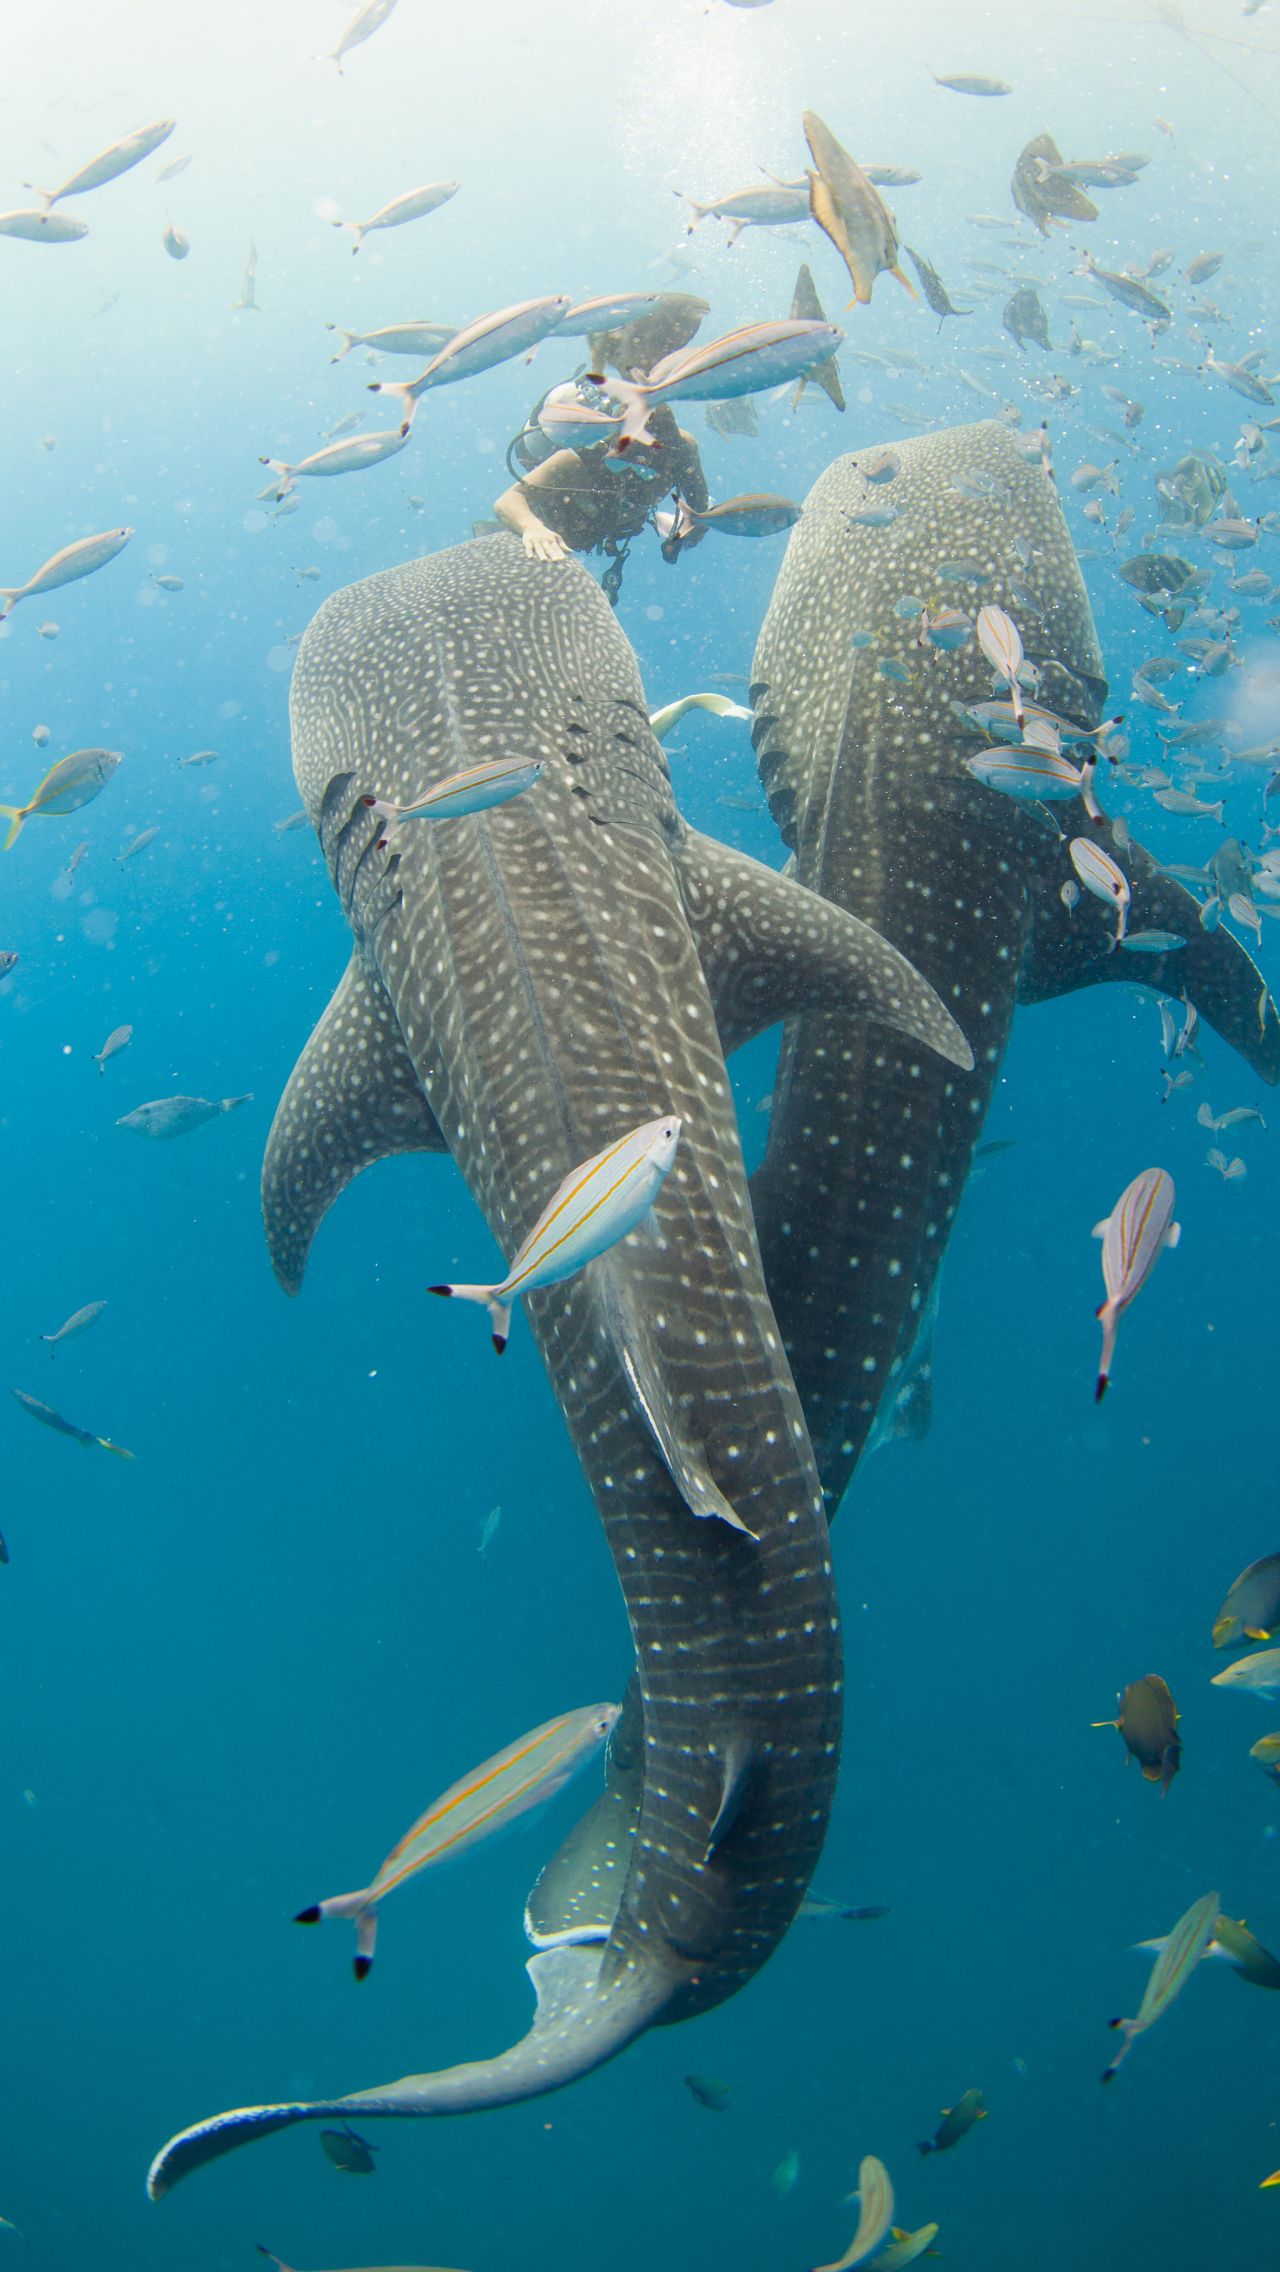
(756, 356)
(590, 1211)
(118, 158)
(74, 781)
(528, 1772)
(1001, 643)
(1133, 1235)
(412, 206)
(339, 457)
(488, 340)
(82, 558)
(875, 2216)
(1178, 1958)
(1033, 775)
(1099, 874)
(1258, 1675)
(472, 790)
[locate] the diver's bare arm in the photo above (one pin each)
(514, 510)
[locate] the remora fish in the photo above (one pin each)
(523, 984)
(867, 782)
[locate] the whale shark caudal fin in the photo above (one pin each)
(1069, 950)
(352, 1098)
(586, 2014)
(770, 948)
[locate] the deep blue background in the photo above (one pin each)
(232, 1673)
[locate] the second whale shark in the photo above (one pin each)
(861, 757)
(525, 985)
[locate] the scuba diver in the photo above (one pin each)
(579, 498)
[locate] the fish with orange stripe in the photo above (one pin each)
(594, 1207)
(523, 1776)
(1179, 1955)
(1134, 1236)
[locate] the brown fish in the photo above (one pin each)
(1251, 1611)
(1047, 197)
(850, 210)
(1148, 1721)
(806, 305)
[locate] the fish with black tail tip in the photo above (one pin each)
(957, 2121)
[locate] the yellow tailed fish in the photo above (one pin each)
(1274, 2179)
(904, 2248)
(1101, 876)
(472, 790)
(74, 781)
(528, 1772)
(595, 1206)
(1178, 1958)
(850, 210)
(48, 1418)
(1251, 1611)
(875, 2217)
(1148, 1721)
(719, 705)
(957, 2121)
(1134, 1236)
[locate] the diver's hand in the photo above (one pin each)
(543, 544)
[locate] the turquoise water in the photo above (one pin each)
(233, 1671)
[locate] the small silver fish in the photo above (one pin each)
(79, 1322)
(119, 1038)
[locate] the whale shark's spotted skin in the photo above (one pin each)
(527, 984)
(870, 1140)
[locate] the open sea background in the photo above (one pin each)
(233, 1672)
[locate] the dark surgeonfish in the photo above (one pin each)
(525, 984)
(869, 1141)
(1147, 1718)
(348, 2151)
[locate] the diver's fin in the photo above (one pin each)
(770, 948)
(806, 306)
(685, 1464)
(352, 1098)
(582, 2019)
(576, 1896)
(1068, 950)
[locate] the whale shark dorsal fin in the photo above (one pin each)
(352, 1098)
(770, 948)
(1067, 950)
(684, 1461)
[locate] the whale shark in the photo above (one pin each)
(525, 984)
(860, 755)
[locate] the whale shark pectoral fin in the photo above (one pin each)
(352, 1098)
(688, 1469)
(576, 1896)
(581, 2020)
(1067, 950)
(770, 948)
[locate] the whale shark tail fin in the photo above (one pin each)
(587, 2011)
(487, 1296)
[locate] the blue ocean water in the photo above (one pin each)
(233, 1671)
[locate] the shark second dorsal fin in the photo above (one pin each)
(1069, 949)
(769, 949)
(352, 1098)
